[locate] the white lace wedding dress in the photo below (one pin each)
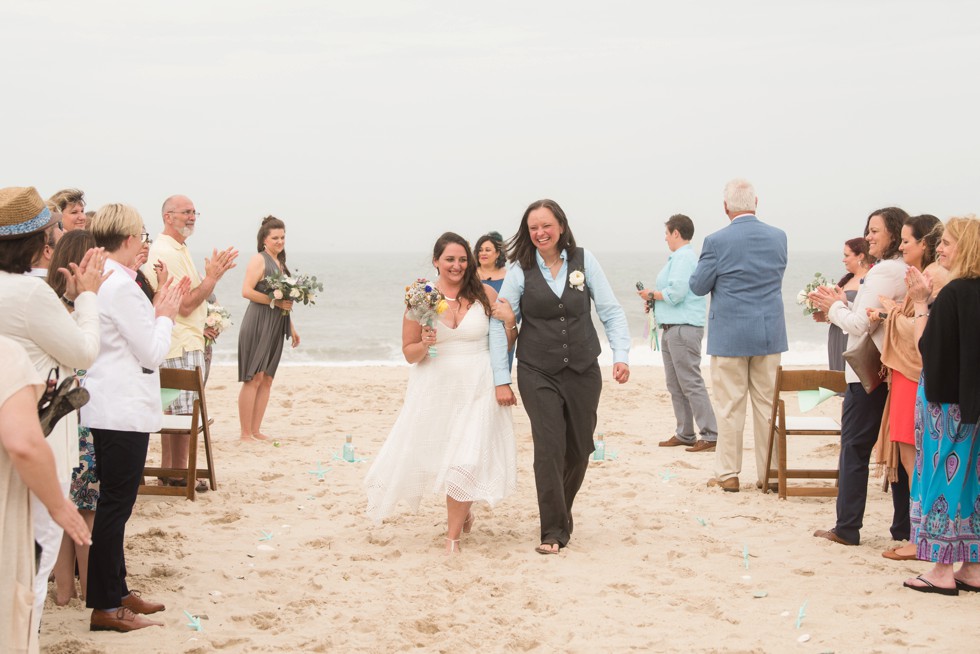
(451, 437)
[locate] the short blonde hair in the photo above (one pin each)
(68, 197)
(113, 224)
(965, 231)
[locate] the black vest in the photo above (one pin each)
(557, 332)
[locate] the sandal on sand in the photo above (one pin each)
(545, 548)
(893, 555)
(962, 585)
(931, 587)
(454, 547)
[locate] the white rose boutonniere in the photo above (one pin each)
(576, 279)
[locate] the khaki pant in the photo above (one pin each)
(733, 379)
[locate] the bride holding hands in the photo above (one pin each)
(451, 436)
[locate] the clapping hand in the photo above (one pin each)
(220, 263)
(825, 296)
(168, 298)
(919, 284)
(162, 273)
(87, 275)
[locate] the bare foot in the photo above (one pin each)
(259, 436)
(452, 546)
(247, 438)
(61, 600)
(906, 550)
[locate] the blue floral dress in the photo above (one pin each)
(945, 509)
(84, 478)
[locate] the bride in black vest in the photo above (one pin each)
(552, 289)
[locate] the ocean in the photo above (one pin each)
(357, 319)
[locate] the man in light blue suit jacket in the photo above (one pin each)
(742, 266)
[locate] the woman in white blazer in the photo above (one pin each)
(124, 383)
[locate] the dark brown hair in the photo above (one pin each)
(521, 249)
(681, 223)
(928, 229)
(472, 288)
(894, 218)
(70, 249)
(497, 241)
(857, 245)
(270, 223)
(17, 255)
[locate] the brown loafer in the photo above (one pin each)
(729, 485)
(673, 441)
(701, 446)
(122, 619)
(893, 555)
(832, 536)
(135, 603)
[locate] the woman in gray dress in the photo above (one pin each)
(263, 331)
(857, 262)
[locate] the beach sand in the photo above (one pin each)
(641, 573)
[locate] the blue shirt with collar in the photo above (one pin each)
(680, 306)
(606, 305)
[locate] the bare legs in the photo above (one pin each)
(252, 402)
(174, 449)
(459, 518)
(64, 567)
(906, 452)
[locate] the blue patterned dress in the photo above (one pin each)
(945, 508)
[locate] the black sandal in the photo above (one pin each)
(56, 403)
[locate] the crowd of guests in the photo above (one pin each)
(92, 296)
(89, 300)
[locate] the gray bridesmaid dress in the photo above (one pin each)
(262, 332)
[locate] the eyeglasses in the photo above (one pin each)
(187, 212)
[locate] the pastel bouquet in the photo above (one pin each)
(218, 319)
(425, 304)
(803, 297)
(298, 288)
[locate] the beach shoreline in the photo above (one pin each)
(279, 560)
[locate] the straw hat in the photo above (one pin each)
(22, 212)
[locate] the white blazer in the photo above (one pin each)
(124, 381)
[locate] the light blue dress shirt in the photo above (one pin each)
(680, 306)
(606, 305)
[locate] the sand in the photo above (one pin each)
(279, 560)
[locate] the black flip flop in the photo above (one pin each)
(932, 588)
(541, 549)
(962, 585)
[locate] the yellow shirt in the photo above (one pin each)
(188, 334)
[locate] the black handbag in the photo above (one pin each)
(865, 360)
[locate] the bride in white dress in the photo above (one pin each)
(451, 437)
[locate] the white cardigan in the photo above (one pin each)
(885, 278)
(124, 381)
(33, 316)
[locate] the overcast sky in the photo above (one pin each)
(376, 125)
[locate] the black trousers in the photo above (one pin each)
(860, 423)
(562, 411)
(121, 456)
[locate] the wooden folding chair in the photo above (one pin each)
(196, 423)
(781, 426)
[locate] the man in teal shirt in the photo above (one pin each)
(681, 314)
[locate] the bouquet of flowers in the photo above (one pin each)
(803, 297)
(301, 288)
(218, 319)
(425, 304)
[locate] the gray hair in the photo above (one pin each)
(740, 196)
